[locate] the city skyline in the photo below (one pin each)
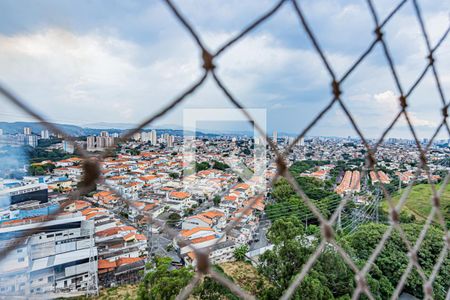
(98, 69)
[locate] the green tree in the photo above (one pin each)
(304, 165)
(220, 165)
(241, 252)
(216, 200)
(36, 170)
(282, 190)
(210, 289)
(393, 260)
(289, 254)
(285, 229)
(161, 282)
(202, 166)
(174, 175)
(173, 219)
(312, 288)
(330, 277)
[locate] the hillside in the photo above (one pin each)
(418, 202)
(245, 275)
(36, 127)
(73, 130)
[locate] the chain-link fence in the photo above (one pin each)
(92, 169)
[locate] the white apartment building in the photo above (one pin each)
(60, 258)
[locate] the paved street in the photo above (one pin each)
(261, 234)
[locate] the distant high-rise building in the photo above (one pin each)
(45, 134)
(68, 147)
(275, 137)
(302, 141)
(109, 141)
(170, 141)
(1, 131)
(32, 140)
(153, 138)
(27, 130)
(115, 135)
(100, 142)
(104, 133)
(91, 143)
(146, 137)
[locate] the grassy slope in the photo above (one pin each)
(244, 275)
(127, 292)
(419, 203)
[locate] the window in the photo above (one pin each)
(19, 250)
(50, 279)
(21, 259)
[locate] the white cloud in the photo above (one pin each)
(94, 76)
(89, 76)
(103, 75)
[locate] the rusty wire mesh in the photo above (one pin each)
(92, 174)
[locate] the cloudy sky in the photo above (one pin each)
(82, 62)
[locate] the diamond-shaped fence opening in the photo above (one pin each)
(330, 225)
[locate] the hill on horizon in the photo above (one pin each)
(74, 130)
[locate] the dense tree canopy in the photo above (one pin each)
(210, 289)
(220, 165)
(241, 252)
(393, 259)
(329, 278)
(36, 170)
(39, 154)
(304, 165)
(163, 283)
(202, 166)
